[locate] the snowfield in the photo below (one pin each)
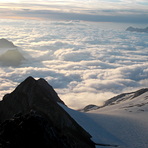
(118, 124)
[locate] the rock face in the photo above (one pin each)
(132, 29)
(30, 116)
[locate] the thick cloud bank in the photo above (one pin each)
(85, 63)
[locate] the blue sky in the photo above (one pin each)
(128, 11)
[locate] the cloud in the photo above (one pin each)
(84, 63)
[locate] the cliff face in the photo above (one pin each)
(32, 109)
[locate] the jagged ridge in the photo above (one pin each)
(38, 96)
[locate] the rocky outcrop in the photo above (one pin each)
(89, 108)
(31, 116)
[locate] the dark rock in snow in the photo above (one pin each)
(116, 100)
(89, 108)
(30, 116)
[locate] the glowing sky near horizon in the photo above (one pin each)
(86, 10)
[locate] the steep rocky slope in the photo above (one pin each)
(31, 116)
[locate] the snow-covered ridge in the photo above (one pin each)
(133, 101)
(123, 122)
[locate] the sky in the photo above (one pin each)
(128, 11)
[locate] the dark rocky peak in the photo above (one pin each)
(38, 96)
(39, 87)
(29, 94)
(89, 108)
(50, 91)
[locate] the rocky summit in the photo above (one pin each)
(31, 116)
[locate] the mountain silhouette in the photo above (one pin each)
(31, 116)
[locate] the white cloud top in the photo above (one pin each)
(85, 62)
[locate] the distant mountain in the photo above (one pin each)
(126, 101)
(30, 116)
(11, 56)
(132, 29)
(4, 43)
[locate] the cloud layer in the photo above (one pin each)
(85, 63)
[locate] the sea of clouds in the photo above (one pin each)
(86, 63)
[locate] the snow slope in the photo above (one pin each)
(124, 124)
